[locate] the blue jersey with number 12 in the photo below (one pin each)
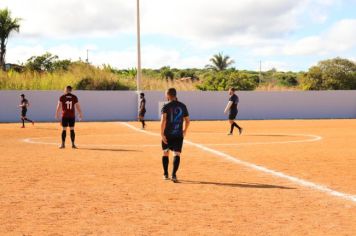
(176, 111)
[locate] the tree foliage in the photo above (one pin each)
(220, 62)
(47, 62)
(7, 25)
(222, 81)
(332, 74)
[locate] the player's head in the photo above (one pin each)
(232, 91)
(68, 89)
(22, 95)
(142, 95)
(171, 94)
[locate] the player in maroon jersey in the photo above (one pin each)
(68, 103)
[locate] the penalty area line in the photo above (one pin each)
(295, 180)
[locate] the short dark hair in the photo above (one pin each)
(22, 95)
(172, 92)
(142, 94)
(69, 88)
(233, 89)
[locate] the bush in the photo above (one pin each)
(89, 83)
(334, 74)
(222, 81)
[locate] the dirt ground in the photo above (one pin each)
(112, 185)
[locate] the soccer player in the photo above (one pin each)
(68, 103)
(142, 110)
(24, 104)
(231, 107)
(174, 114)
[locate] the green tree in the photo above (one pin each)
(332, 74)
(47, 62)
(219, 62)
(222, 81)
(167, 73)
(7, 25)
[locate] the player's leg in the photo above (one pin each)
(23, 122)
(165, 160)
(31, 121)
(177, 149)
(72, 132)
(65, 124)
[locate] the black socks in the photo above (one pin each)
(143, 123)
(64, 135)
(23, 122)
(72, 136)
(234, 125)
(165, 163)
(176, 162)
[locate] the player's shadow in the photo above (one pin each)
(235, 185)
(110, 149)
(271, 135)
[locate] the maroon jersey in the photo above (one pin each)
(68, 105)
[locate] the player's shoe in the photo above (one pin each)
(62, 146)
(33, 123)
(165, 177)
(74, 147)
(229, 134)
(240, 131)
(22, 127)
(174, 179)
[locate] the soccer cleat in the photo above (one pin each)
(22, 127)
(229, 134)
(165, 177)
(174, 179)
(240, 131)
(74, 147)
(62, 146)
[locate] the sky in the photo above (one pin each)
(288, 35)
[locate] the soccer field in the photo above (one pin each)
(285, 177)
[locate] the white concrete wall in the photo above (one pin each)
(96, 105)
(122, 105)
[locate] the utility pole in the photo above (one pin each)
(139, 73)
(260, 75)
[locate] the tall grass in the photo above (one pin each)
(30, 80)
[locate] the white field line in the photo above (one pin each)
(263, 169)
(311, 138)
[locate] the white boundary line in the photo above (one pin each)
(312, 138)
(281, 175)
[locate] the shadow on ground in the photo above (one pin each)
(236, 185)
(109, 149)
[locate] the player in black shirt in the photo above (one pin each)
(232, 109)
(174, 114)
(142, 110)
(24, 105)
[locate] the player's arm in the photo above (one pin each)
(186, 125)
(79, 109)
(228, 106)
(163, 126)
(58, 110)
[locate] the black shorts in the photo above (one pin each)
(68, 122)
(232, 115)
(142, 113)
(174, 144)
(23, 112)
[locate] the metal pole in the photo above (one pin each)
(138, 76)
(260, 77)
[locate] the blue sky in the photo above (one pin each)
(283, 34)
